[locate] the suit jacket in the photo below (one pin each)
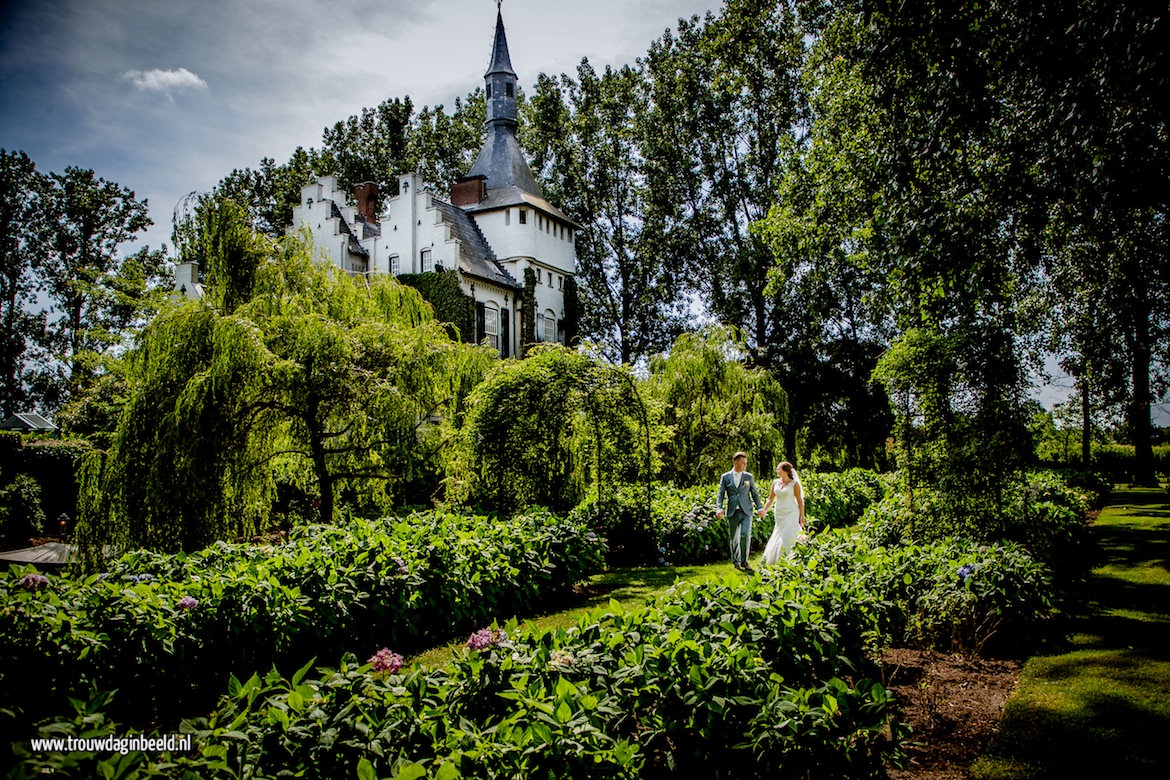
(745, 497)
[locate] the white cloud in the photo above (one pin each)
(165, 81)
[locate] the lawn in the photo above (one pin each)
(1102, 705)
(630, 587)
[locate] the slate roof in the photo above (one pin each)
(500, 62)
(501, 162)
(502, 197)
(475, 255)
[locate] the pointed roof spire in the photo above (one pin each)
(500, 62)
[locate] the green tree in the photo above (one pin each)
(587, 137)
(712, 406)
(272, 191)
(314, 380)
(95, 295)
(370, 146)
(729, 109)
(21, 232)
(441, 147)
(541, 431)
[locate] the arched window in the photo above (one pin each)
(550, 326)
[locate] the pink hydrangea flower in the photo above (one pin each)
(187, 602)
(34, 582)
(485, 637)
(386, 661)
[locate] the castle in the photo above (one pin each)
(495, 224)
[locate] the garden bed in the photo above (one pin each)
(953, 703)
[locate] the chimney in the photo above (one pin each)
(366, 195)
(468, 191)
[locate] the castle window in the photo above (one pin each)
(550, 326)
(507, 217)
(508, 89)
(523, 216)
(426, 262)
(491, 325)
(489, 91)
(395, 265)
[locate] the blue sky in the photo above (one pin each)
(168, 96)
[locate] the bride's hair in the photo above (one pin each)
(788, 469)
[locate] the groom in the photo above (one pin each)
(739, 487)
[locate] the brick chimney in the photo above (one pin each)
(366, 195)
(468, 191)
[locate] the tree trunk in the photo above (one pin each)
(1086, 426)
(1139, 408)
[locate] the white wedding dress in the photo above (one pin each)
(787, 516)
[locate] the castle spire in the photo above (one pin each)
(500, 79)
(500, 161)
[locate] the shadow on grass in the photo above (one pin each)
(1103, 708)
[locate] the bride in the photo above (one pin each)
(788, 497)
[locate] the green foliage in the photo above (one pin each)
(360, 584)
(682, 528)
(21, 513)
(713, 406)
(1046, 517)
(313, 380)
(21, 231)
(542, 430)
(52, 465)
(452, 306)
(727, 676)
(959, 422)
(91, 295)
(215, 233)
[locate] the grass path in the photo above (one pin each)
(630, 587)
(1102, 707)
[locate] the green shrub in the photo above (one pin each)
(682, 527)
(21, 513)
(743, 678)
(168, 630)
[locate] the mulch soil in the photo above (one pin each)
(953, 704)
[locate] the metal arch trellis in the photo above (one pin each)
(644, 418)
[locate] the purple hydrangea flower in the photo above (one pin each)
(485, 637)
(34, 582)
(386, 661)
(146, 578)
(187, 602)
(965, 571)
(401, 567)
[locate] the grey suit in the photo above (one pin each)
(741, 505)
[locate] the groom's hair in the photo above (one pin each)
(737, 456)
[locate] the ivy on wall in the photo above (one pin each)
(572, 311)
(452, 306)
(528, 312)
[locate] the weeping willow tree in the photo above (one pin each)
(544, 430)
(712, 406)
(300, 375)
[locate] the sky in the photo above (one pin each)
(166, 97)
